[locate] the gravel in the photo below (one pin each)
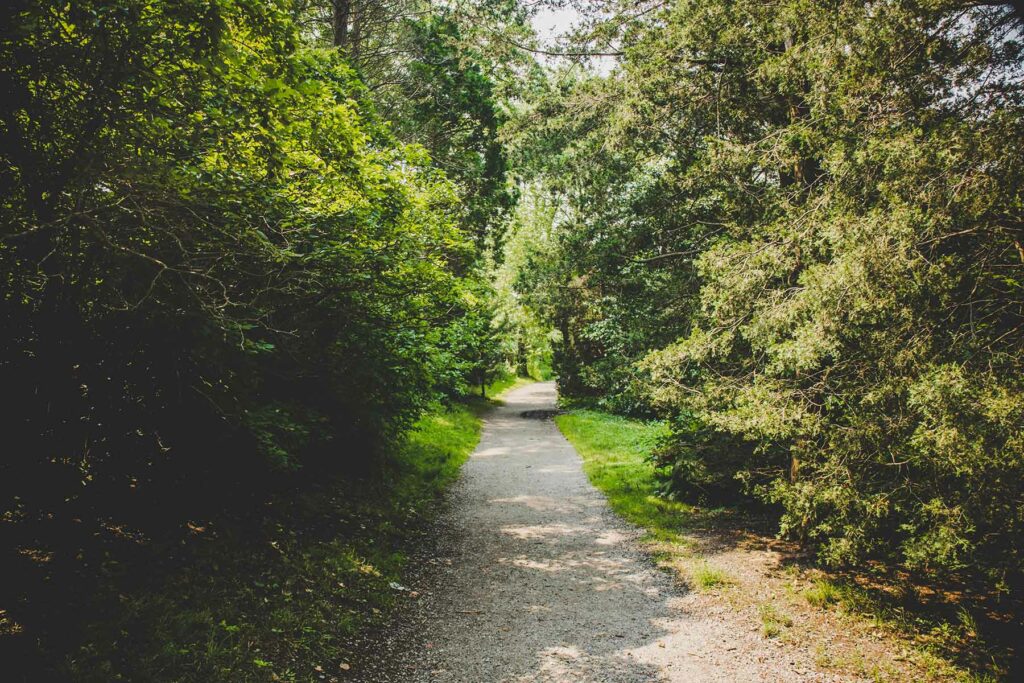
(531, 577)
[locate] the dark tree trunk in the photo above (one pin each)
(357, 21)
(342, 11)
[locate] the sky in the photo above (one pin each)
(550, 23)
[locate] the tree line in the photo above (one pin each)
(794, 230)
(239, 239)
(248, 253)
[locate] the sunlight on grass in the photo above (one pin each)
(823, 593)
(707, 577)
(506, 383)
(436, 447)
(773, 622)
(616, 458)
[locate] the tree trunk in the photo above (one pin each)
(357, 21)
(342, 10)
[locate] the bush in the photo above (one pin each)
(217, 262)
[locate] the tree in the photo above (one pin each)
(800, 223)
(217, 260)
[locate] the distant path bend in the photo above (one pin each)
(537, 580)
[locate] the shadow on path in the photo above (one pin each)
(535, 579)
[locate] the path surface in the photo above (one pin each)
(536, 579)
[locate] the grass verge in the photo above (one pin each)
(615, 454)
(283, 598)
(808, 601)
(506, 383)
(616, 458)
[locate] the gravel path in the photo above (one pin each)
(534, 579)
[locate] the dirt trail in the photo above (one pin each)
(535, 579)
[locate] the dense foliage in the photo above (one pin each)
(795, 229)
(242, 248)
(246, 243)
(214, 246)
(209, 240)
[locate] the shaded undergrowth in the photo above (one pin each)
(278, 592)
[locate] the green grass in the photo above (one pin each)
(506, 383)
(437, 446)
(500, 385)
(824, 593)
(707, 577)
(616, 457)
(283, 599)
(773, 622)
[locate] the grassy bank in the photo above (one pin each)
(278, 599)
(507, 383)
(615, 457)
(712, 551)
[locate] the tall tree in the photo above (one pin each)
(798, 223)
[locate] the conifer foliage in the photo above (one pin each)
(795, 229)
